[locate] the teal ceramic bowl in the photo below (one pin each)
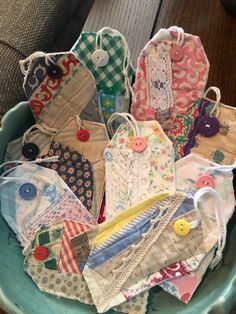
(18, 293)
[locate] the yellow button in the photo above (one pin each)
(181, 227)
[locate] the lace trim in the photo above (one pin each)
(138, 177)
(160, 79)
(167, 208)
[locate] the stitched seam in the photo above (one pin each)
(134, 258)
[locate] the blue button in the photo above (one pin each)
(28, 191)
(108, 156)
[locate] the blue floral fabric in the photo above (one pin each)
(74, 169)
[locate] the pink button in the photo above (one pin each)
(176, 53)
(205, 181)
(139, 144)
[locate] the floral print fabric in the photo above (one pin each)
(75, 170)
(132, 177)
(165, 87)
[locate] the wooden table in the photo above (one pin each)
(139, 20)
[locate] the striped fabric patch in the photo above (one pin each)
(68, 261)
(135, 224)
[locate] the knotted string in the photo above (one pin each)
(35, 55)
(216, 107)
(129, 119)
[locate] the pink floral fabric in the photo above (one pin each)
(173, 271)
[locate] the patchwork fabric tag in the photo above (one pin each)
(171, 74)
(132, 174)
(58, 86)
(217, 145)
(130, 256)
(57, 270)
(107, 56)
(33, 196)
(81, 138)
(193, 173)
(52, 264)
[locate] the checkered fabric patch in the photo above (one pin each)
(108, 78)
(51, 238)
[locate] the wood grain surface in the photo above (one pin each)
(133, 18)
(217, 30)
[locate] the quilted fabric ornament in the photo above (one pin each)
(70, 134)
(33, 196)
(129, 256)
(139, 163)
(171, 74)
(192, 173)
(107, 56)
(59, 86)
(53, 265)
(216, 130)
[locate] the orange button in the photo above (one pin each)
(139, 144)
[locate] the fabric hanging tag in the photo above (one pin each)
(53, 265)
(32, 196)
(107, 56)
(216, 132)
(171, 73)
(59, 86)
(139, 162)
(193, 173)
(158, 225)
(82, 138)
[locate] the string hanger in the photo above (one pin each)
(17, 163)
(53, 132)
(216, 107)
(127, 58)
(180, 34)
(220, 221)
(33, 56)
(128, 118)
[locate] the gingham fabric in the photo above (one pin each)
(108, 78)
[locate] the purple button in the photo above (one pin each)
(208, 126)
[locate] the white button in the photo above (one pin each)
(100, 58)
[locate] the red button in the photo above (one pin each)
(83, 135)
(139, 144)
(205, 181)
(176, 53)
(41, 253)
